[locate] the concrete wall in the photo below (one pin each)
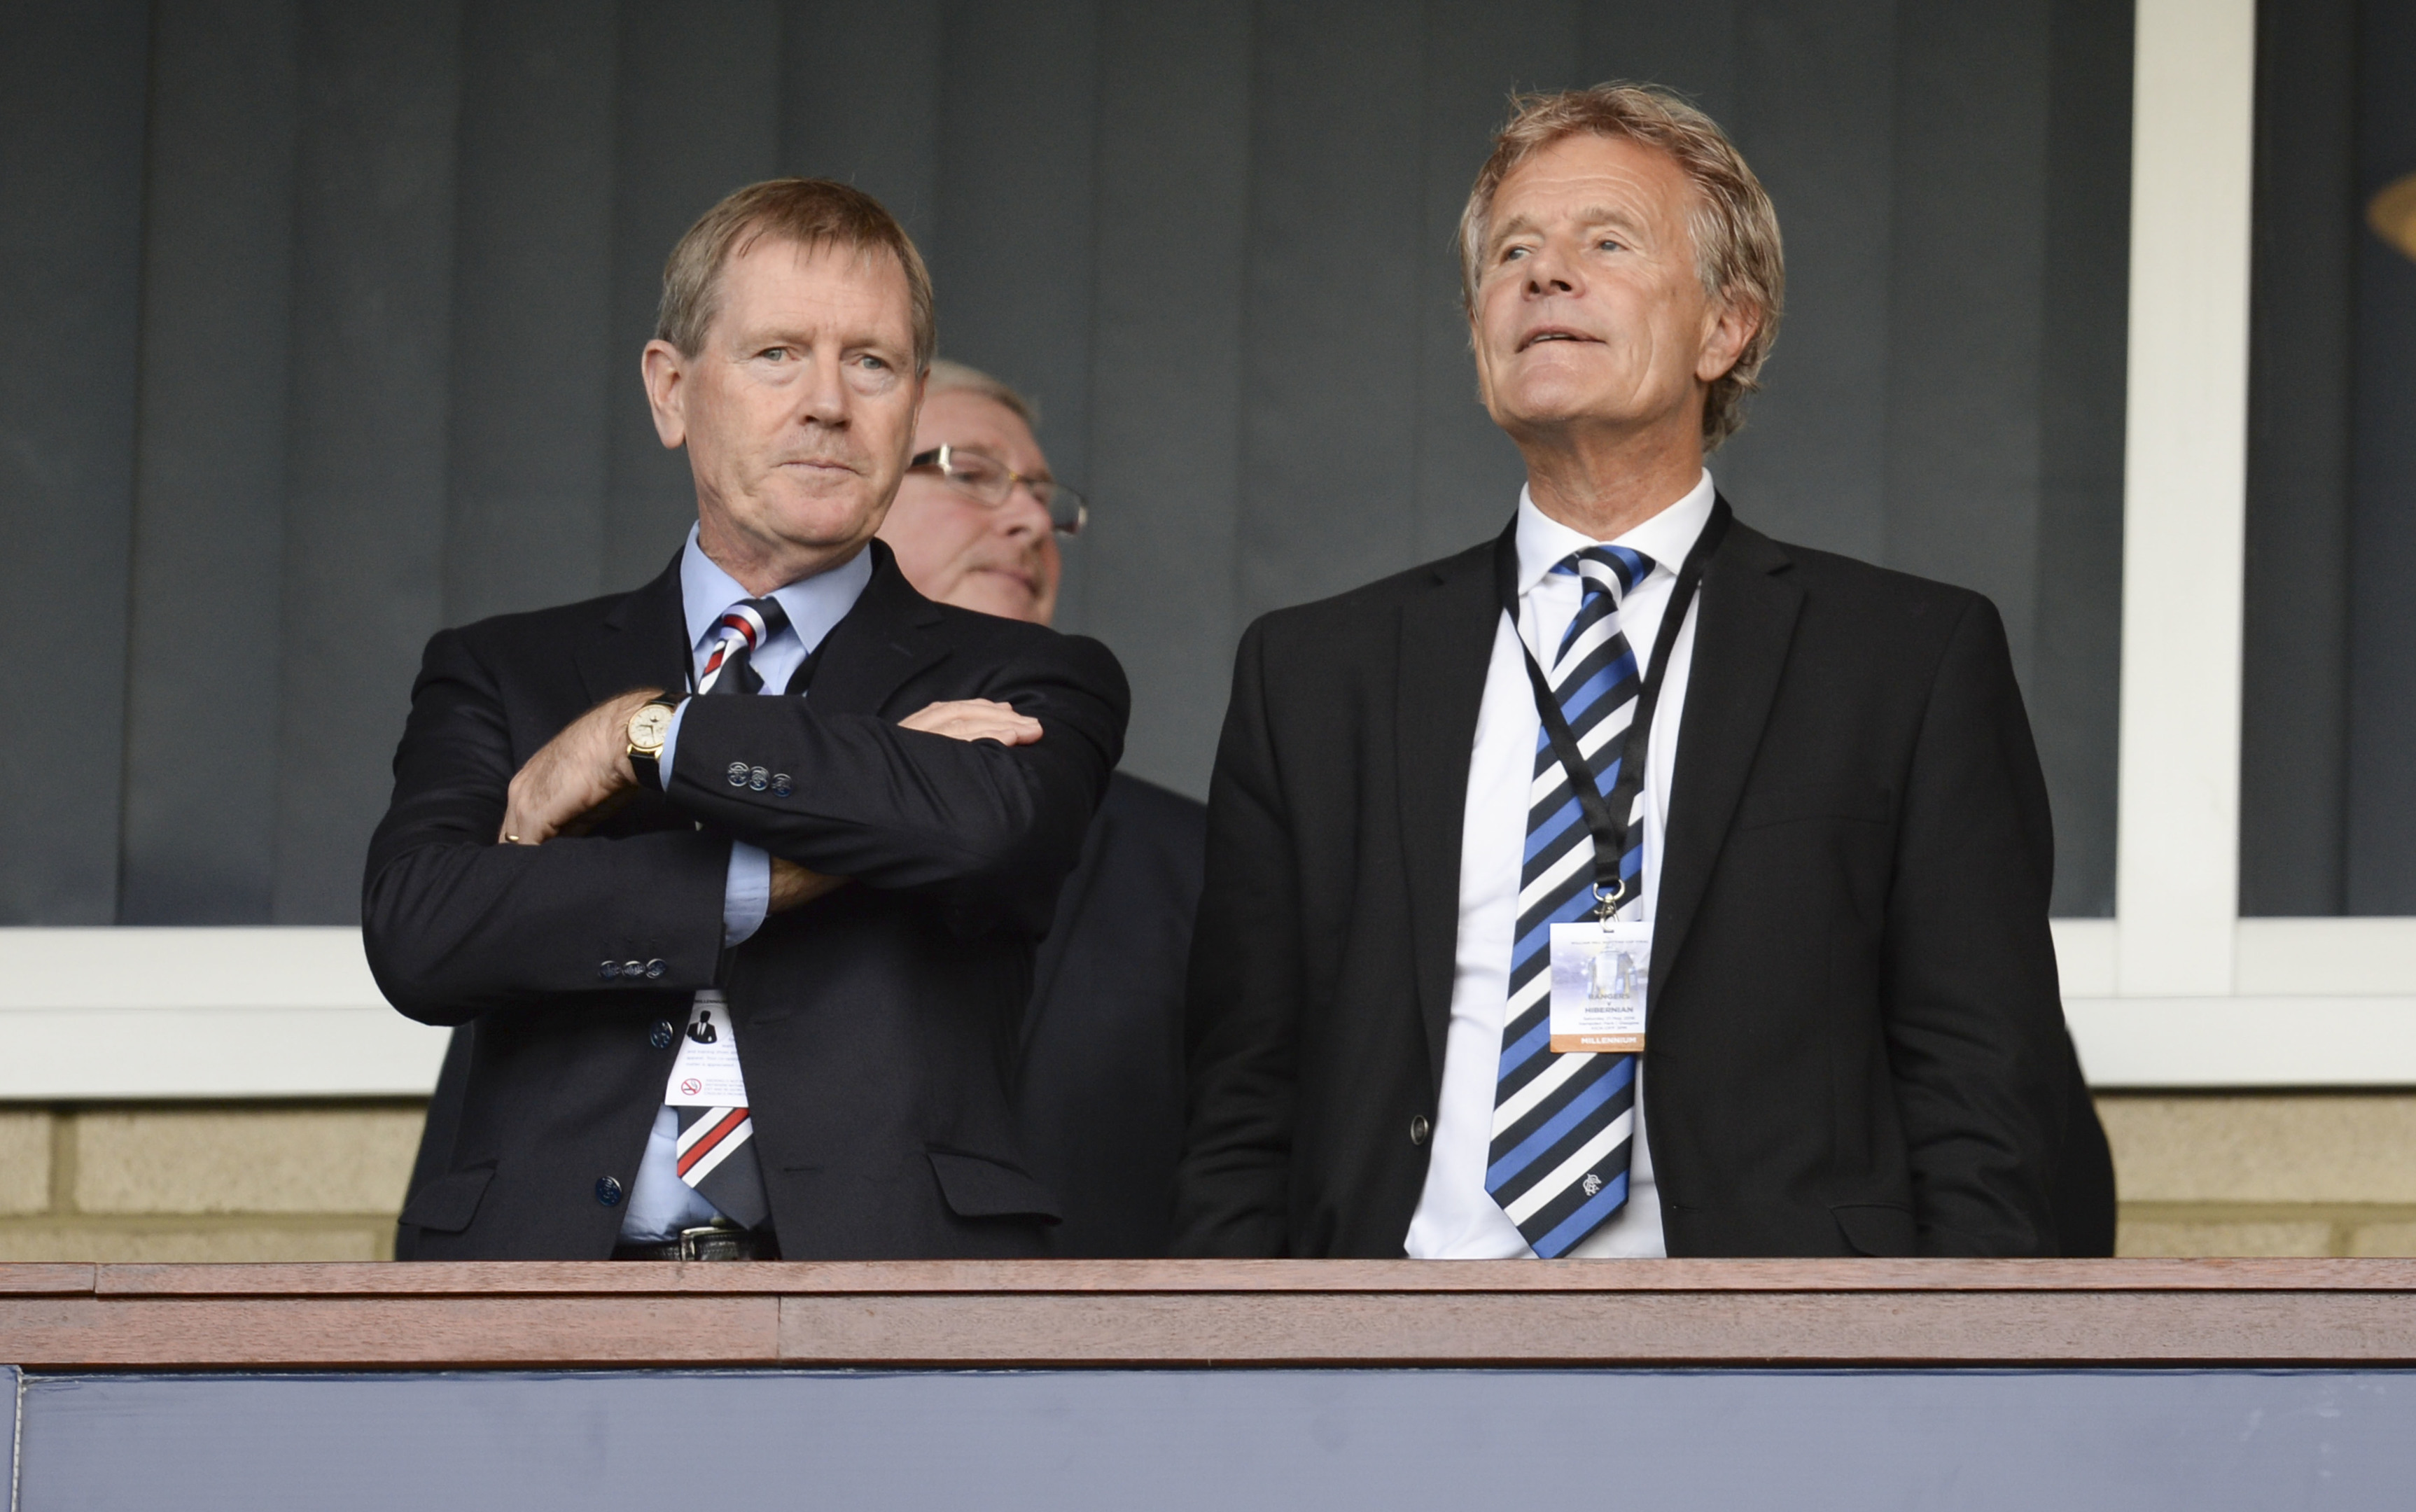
(218, 1182)
(2213, 1174)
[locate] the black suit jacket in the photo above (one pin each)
(1098, 1091)
(878, 1025)
(1855, 1042)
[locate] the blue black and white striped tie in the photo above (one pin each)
(1562, 1124)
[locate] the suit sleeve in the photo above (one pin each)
(1975, 1028)
(989, 830)
(1243, 1013)
(456, 925)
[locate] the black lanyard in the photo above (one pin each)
(1607, 818)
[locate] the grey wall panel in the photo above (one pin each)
(860, 96)
(1214, 237)
(1690, 48)
(1073, 1440)
(1468, 473)
(700, 116)
(1964, 315)
(365, 501)
(2075, 686)
(1017, 143)
(2382, 519)
(2293, 755)
(1329, 352)
(533, 364)
(1165, 374)
(210, 503)
(72, 85)
(1814, 115)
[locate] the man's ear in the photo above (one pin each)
(1732, 324)
(665, 372)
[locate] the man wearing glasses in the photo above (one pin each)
(1099, 1089)
(741, 875)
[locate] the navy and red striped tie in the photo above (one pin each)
(717, 1145)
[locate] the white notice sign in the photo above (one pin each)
(706, 1074)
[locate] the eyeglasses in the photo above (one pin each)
(992, 481)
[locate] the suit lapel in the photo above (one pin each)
(1446, 642)
(644, 643)
(1745, 625)
(888, 637)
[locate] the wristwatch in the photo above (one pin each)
(647, 728)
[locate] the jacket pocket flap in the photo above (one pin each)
(1820, 800)
(448, 1203)
(1876, 1229)
(979, 1188)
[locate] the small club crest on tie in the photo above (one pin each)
(1592, 1184)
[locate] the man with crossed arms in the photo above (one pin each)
(748, 971)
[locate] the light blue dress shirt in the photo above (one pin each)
(661, 1204)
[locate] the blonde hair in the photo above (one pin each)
(1737, 250)
(811, 212)
(963, 378)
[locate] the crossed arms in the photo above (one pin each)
(969, 803)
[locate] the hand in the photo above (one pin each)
(585, 765)
(975, 718)
(793, 887)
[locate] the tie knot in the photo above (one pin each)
(1612, 569)
(757, 619)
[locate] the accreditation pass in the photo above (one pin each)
(706, 1074)
(1598, 980)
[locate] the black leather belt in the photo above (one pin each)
(714, 1242)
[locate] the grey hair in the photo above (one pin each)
(947, 375)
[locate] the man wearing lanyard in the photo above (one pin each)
(741, 874)
(1631, 884)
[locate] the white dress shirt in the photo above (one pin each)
(661, 1204)
(1455, 1217)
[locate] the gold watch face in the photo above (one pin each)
(648, 726)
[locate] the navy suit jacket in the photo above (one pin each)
(1098, 1090)
(879, 1024)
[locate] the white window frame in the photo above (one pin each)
(2176, 991)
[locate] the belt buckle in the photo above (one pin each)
(692, 1242)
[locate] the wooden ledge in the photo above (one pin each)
(1194, 1313)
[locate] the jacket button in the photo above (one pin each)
(739, 772)
(633, 968)
(608, 1191)
(662, 1035)
(656, 968)
(1420, 1129)
(607, 969)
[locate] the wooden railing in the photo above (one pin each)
(1191, 1314)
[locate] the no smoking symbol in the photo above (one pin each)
(691, 1086)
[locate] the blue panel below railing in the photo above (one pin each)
(1071, 1439)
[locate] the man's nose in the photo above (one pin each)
(1551, 270)
(823, 396)
(1022, 517)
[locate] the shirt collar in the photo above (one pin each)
(1666, 537)
(814, 604)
